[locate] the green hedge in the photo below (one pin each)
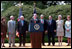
(28, 39)
(27, 11)
(63, 10)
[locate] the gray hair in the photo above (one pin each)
(34, 14)
(41, 15)
(21, 16)
(50, 15)
(60, 16)
(11, 16)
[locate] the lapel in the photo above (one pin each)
(49, 22)
(21, 22)
(24, 21)
(34, 20)
(43, 21)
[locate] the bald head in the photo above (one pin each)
(35, 16)
(22, 17)
(41, 16)
(50, 17)
(12, 17)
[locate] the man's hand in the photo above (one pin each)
(54, 30)
(6, 36)
(46, 31)
(1, 33)
(26, 31)
(17, 34)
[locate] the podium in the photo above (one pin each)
(36, 30)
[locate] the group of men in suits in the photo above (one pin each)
(22, 28)
(49, 27)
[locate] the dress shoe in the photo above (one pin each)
(13, 46)
(3, 46)
(67, 44)
(48, 45)
(19, 45)
(43, 44)
(24, 45)
(9, 46)
(53, 45)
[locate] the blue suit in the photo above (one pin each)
(51, 26)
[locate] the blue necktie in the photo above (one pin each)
(42, 20)
(50, 21)
(22, 23)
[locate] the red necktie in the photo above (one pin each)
(34, 21)
(41, 21)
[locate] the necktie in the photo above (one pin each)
(41, 21)
(34, 21)
(22, 23)
(49, 22)
(13, 23)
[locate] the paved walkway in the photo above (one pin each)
(28, 45)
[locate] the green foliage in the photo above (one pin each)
(28, 39)
(63, 10)
(27, 11)
(7, 4)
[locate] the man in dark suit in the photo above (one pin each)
(51, 30)
(34, 19)
(22, 28)
(43, 21)
(36, 37)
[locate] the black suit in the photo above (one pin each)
(32, 21)
(43, 34)
(51, 34)
(22, 31)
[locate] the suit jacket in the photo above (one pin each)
(21, 28)
(32, 21)
(51, 27)
(44, 25)
(11, 26)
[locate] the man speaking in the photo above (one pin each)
(35, 29)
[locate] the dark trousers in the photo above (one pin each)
(50, 35)
(22, 40)
(43, 36)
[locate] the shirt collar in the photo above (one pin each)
(50, 20)
(42, 19)
(35, 19)
(21, 20)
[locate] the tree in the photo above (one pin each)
(27, 12)
(7, 4)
